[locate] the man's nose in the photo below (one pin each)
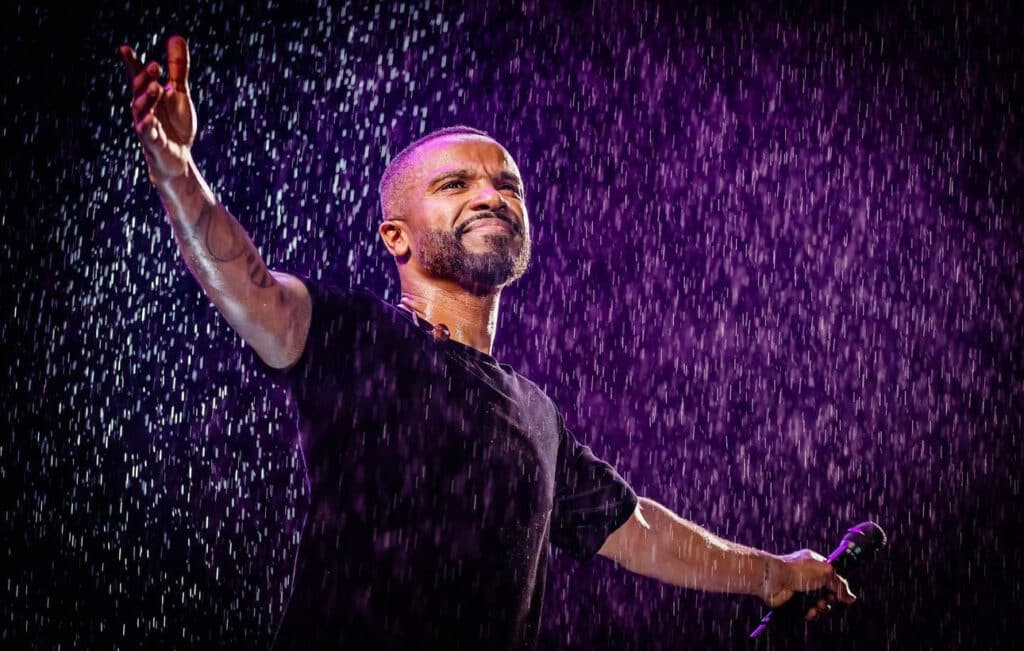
(490, 199)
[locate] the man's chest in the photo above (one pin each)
(415, 425)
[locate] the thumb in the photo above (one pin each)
(177, 63)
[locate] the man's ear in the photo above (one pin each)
(395, 237)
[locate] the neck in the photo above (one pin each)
(471, 320)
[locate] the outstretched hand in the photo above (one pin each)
(806, 571)
(164, 116)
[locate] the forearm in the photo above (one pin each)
(223, 259)
(682, 553)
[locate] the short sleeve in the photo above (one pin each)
(591, 499)
(329, 327)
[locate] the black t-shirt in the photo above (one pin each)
(437, 477)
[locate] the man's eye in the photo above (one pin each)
(513, 187)
(456, 183)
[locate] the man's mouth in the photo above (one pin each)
(489, 221)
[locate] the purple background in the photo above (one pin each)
(777, 283)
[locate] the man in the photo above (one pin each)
(437, 475)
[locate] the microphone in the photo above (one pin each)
(859, 544)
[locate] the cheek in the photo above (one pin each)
(437, 213)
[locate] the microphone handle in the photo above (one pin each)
(797, 605)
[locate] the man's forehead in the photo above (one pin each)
(462, 151)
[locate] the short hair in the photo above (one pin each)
(399, 165)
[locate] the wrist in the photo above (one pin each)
(181, 174)
(185, 186)
(774, 575)
(184, 196)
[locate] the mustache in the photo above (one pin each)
(461, 228)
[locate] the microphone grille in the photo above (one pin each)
(868, 535)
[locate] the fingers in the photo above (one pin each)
(150, 73)
(146, 101)
(144, 81)
(177, 66)
(132, 65)
(177, 63)
(139, 75)
(821, 608)
(840, 589)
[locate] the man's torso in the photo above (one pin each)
(431, 472)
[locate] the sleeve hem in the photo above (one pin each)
(617, 518)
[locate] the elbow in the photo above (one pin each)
(275, 351)
(636, 544)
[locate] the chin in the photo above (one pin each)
(494, 241)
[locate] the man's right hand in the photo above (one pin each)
(164, 116)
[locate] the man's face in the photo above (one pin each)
(466, 214)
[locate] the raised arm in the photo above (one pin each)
(269, 310)
(658, 543)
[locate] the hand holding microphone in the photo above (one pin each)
(808, 571)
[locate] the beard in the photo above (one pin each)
(443, 255)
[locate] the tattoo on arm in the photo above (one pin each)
(225, 241)
(258, 273)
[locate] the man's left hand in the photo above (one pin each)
(805, 571)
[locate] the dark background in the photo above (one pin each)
(777, 283)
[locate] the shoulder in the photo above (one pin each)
(327, 294)
(340, 312)
(535, 394)
(526, 383)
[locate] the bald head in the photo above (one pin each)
(393, 181)
(454, 210)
